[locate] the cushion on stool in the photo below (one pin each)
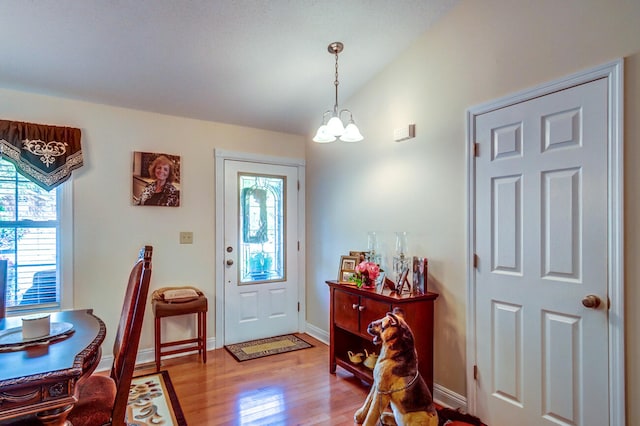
(165, 309)
(180, 295)
(165, 294)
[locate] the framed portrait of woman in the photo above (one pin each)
(156, 179)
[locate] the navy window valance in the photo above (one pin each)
(44, 154)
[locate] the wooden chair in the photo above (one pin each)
(102, 400)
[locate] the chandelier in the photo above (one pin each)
(335, 128)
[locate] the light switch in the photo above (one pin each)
(186, 237)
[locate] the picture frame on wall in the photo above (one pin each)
(156, 179)
(347, 267)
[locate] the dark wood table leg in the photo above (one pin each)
(57, 417)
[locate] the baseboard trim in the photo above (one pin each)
(147, 356)
(448, 398)
(317, 333)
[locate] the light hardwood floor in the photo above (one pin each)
(294, 388)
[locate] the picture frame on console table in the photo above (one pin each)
(347, 268)
(420, 274)
(380, 282)
(402, 281)
(361, 255)
(345, 277)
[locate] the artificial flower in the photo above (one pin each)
(366, 271)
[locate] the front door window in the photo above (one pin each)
(261, 228)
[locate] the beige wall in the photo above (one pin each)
(481, 51)
(109, 231)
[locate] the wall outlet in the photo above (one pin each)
(186, 237)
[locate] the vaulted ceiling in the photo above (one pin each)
(256, 63)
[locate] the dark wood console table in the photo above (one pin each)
(351, 311)
(42, 378)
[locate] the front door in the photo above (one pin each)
(260, 250)
(541, 223)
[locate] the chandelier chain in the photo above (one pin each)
(335, 83)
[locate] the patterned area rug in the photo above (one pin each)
(152, 401)
(265, 347)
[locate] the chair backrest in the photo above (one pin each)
(3, 287)
(127, 339)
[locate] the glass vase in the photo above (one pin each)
(368, 282)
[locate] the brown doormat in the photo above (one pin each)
(264, 347)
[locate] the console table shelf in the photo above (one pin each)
(351, 311)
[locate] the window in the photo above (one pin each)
(262, 224)
(30, 241)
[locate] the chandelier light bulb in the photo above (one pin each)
(351, 133)
(323, 135)
(335, 126)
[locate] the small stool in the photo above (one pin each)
(193, 303)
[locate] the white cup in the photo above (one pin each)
(36, 325)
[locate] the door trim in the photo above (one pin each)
(613, 72)
(220, 157)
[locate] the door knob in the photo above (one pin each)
(229, 262)
(591, 301)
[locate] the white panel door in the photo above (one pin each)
(541, 242)
(260, 234)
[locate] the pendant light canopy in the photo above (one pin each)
(334, 129)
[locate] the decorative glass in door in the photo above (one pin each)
(261, 227)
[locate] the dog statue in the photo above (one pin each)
(396, 379)
(398, 383)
